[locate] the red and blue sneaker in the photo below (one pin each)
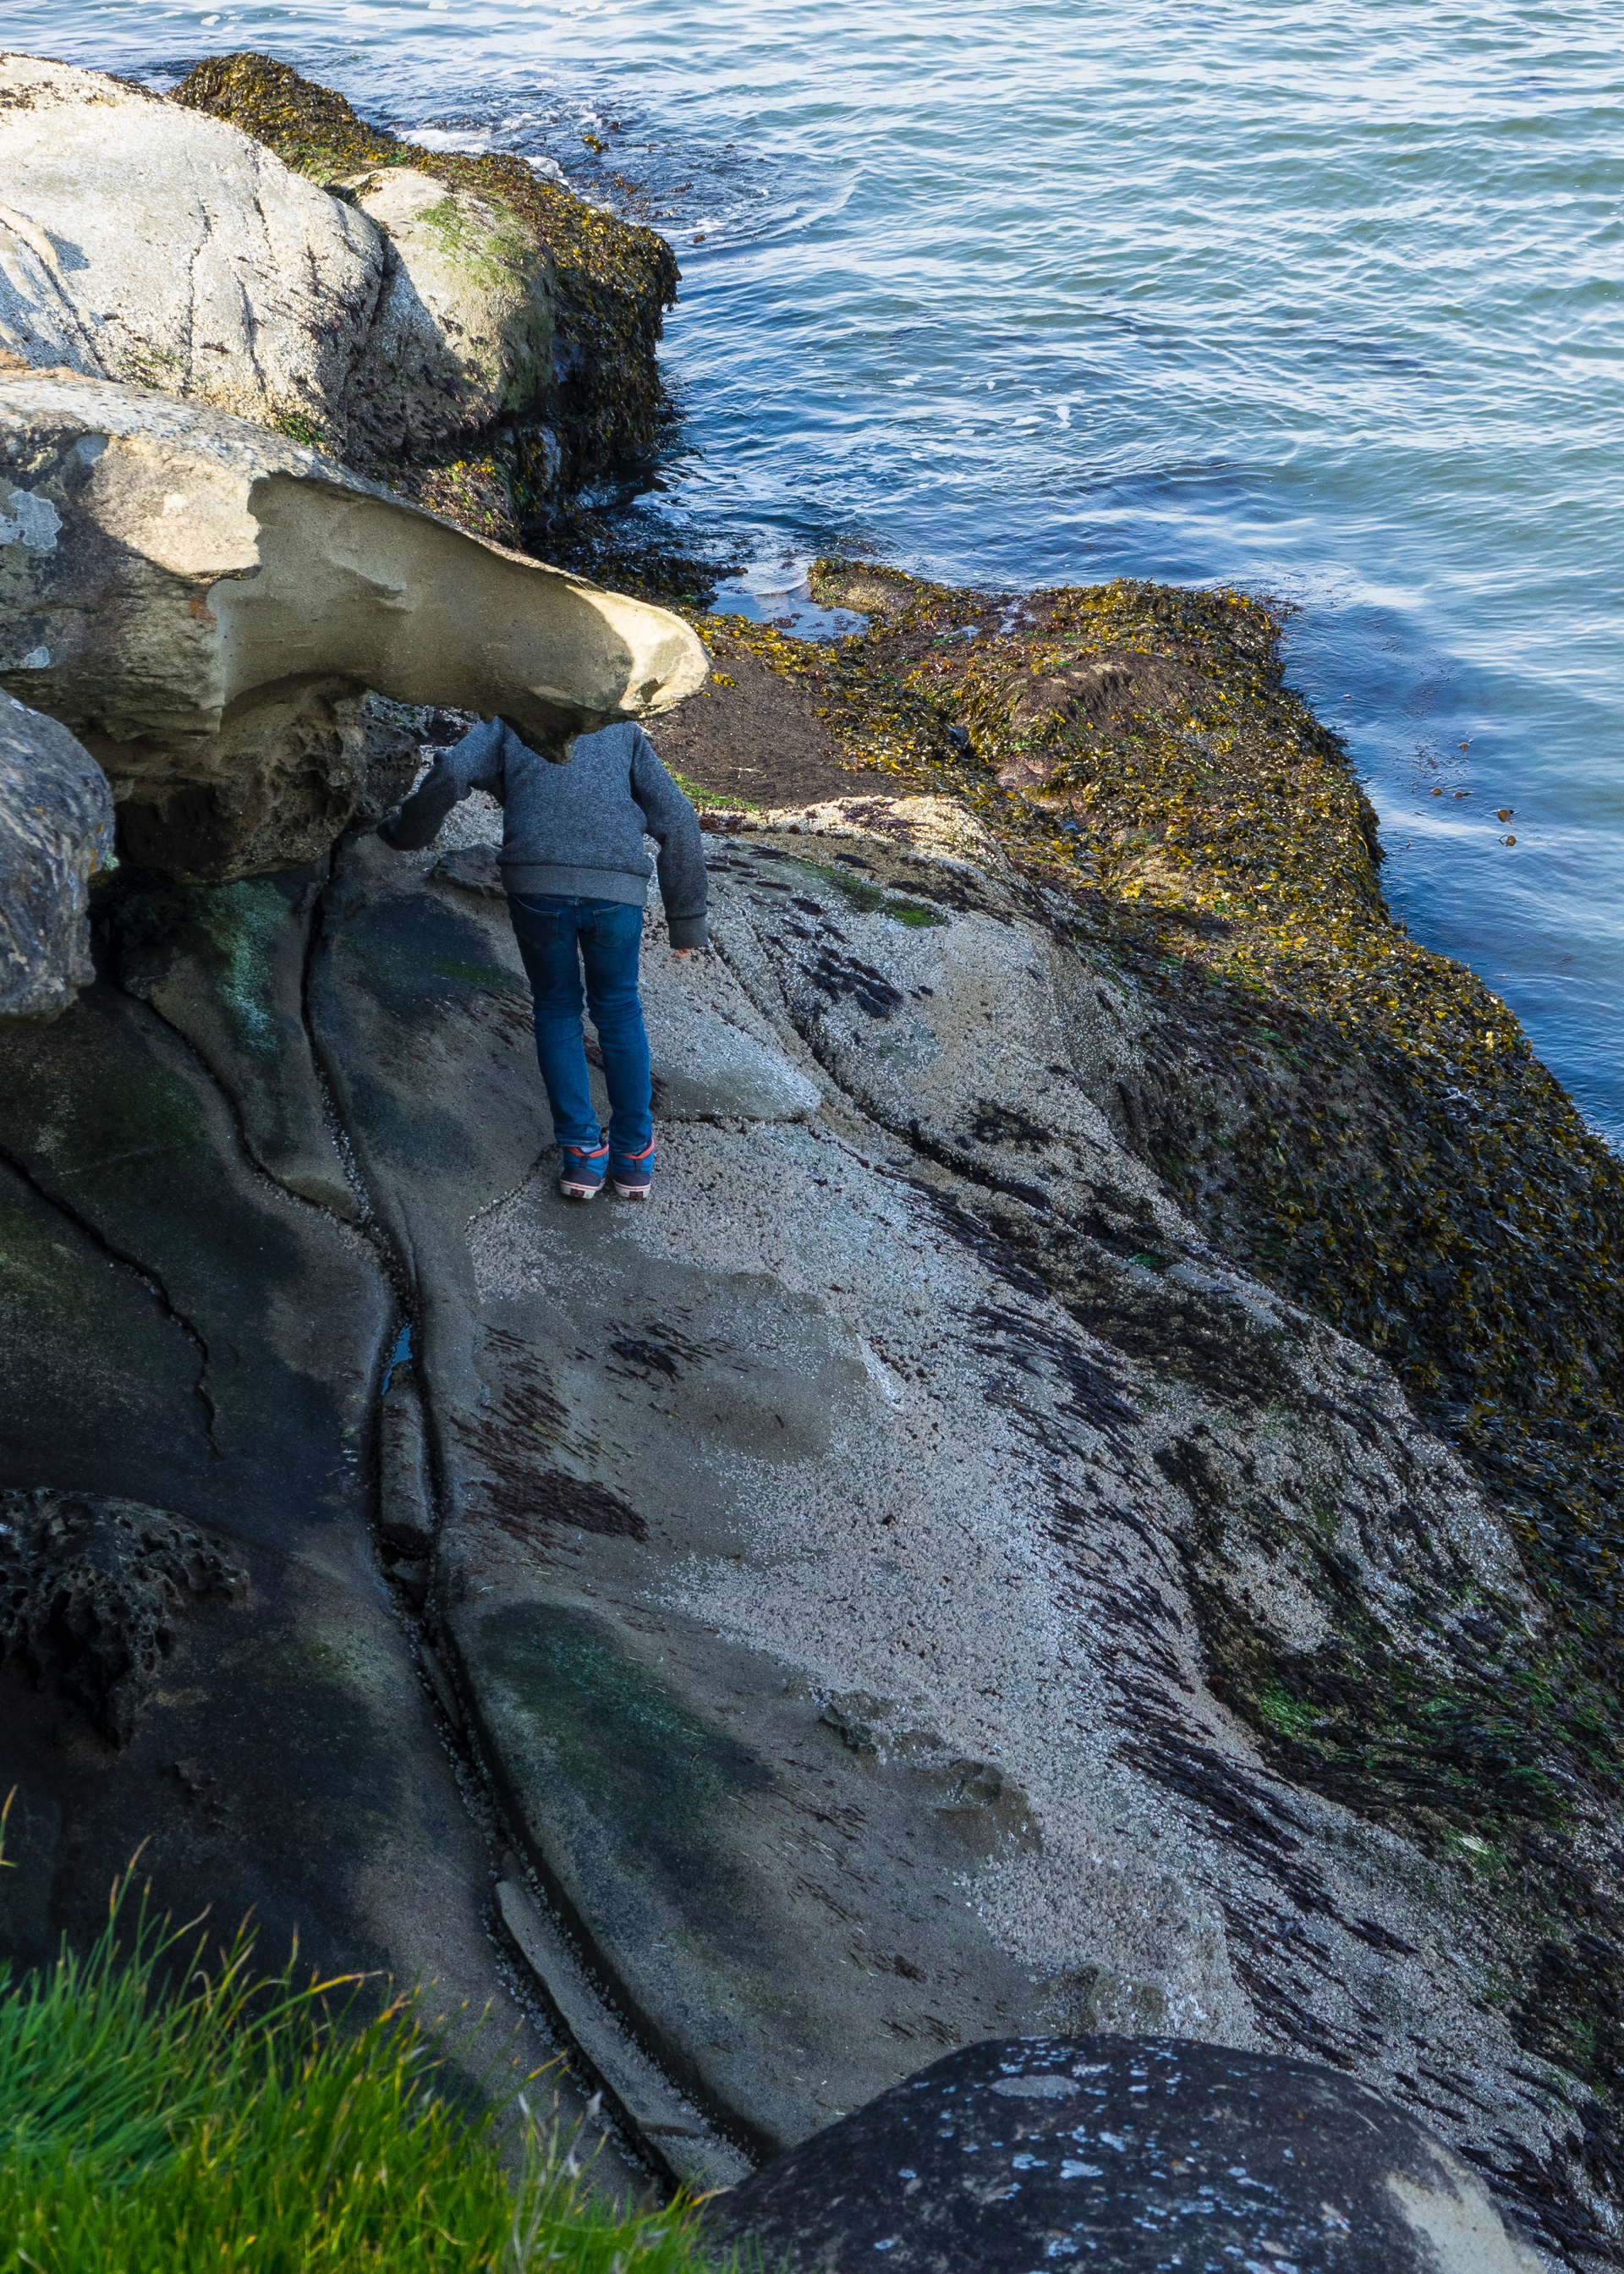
(632, 1174)
(581, 1176)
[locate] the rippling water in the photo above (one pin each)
(1319, 301)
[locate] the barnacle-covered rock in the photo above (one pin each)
(90, 1589)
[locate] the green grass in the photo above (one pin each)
(698, 796)
(166, 2112)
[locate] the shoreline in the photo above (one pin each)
(1303, 1286)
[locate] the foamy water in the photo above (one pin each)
(1321, 302)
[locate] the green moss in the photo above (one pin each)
(876, 900)
(489, 256)
(1287, 1715)
(300, 429)
(478, 975)
(245, 923)
(698, 796)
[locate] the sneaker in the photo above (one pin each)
(581, 1175)
(632, 1177)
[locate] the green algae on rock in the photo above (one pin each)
(613, 281)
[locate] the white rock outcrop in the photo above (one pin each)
(204, 605)
(56, 830)
(145, 241)
(149, 243)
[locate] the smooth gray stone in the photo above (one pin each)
(1135, 2153)
(56, 830)
(224, 966)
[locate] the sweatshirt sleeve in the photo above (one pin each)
(474, 763)
(674, 826)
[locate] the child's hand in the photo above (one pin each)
(682, 953)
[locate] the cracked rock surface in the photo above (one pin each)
(787, 1600)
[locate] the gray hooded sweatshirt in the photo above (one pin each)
(574, 832)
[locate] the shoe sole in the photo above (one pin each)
(633, 1192)
(579, 1192)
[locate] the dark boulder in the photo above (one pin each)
(1129, 2153)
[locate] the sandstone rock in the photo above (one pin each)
(1135, 2153)
(462, 334)
(56, 830)
(816, 1568)
(206, 604)
(148, 244)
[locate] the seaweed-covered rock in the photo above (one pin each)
(1135, 2153)
(55, 830)
(199, 263)
(90, 1590)
(610, 283)
(205, 605)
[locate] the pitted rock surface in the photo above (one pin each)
(1139, 2154)
(815, 1566)
(90, 1592)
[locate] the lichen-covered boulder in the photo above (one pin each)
(1131, 2153)
(147, 243)
(55, 830)
(463, 329)
(204, 605)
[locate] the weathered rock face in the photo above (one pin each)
(56, 830)
(148, 244)
(206, 605)
(807, 1566)
(463, 329)
(1151, 2152)
(376, 323)
(608, 283)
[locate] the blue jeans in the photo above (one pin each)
(557, 939)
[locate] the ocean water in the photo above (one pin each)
(1321, 302)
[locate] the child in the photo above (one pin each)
(577, 880)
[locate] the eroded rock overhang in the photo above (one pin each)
(204, 605)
